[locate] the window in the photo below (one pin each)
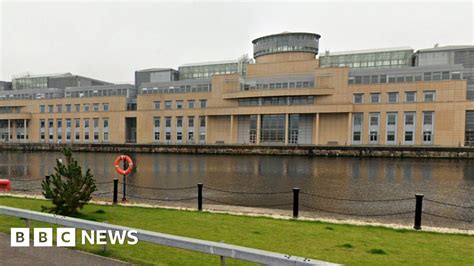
(59, 108)
(203, 103)
(68, 108)
(168, 136)
(375, 97)
(456, 75)
(106, 129)
(358, 98)
(179, 136)
(392, 97)
(191, 137)
(42, 109)
(410, 96)
(191, 104)
(105, 107)
(179, 104)
(179, 121)
(77, 107)
(167, 104)
(50, 108)
(86, 129)
(156, 105)
(86, 107)
(95, 107)
(202, 121)
(168, 121)
(428, 96)
(191, 121)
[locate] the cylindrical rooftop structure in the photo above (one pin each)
(286, 42)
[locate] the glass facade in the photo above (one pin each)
(272, 129)
(207, 71)
(286, 42)
(29, 83)
(394, 58)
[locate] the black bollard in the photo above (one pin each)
(47, 179)
(418, 211)
(200, 196)
(296, 202)
(115, 190)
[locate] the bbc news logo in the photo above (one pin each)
(66, 237)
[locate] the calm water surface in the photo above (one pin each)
(450, 181)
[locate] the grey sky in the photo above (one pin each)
(110, 41)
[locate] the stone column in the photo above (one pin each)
(231, 133)
(9, 130)
(316, 129)
(349, 129)
(25, 130)
(286, 128)
(257, 138)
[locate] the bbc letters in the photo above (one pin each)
(66, 237)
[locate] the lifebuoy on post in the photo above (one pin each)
(129, 162)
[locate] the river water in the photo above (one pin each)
(372, 189)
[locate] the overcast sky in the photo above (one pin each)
(109, 41)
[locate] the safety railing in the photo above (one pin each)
(294, 200)
(209, 247)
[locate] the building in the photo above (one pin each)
(287, 96)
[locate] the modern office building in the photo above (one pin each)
(287, 96)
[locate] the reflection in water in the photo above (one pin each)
(368, 178)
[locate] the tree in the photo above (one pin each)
(68, 188)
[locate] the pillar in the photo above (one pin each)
(9, 130)
(25, 130)
(349, 129)
(316, 129)
(231, 133)
(257, 138)
(286, 128)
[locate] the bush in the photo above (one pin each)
(68, 188)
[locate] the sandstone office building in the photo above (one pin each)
(287, 96)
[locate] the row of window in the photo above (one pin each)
(178, 89)
(96, 93)
(427, 76)
(179, 104)
(77, 108)
(409, 129)
(277, 85)
(179, 129)
(263, 101)
(57, 131)
(393, 97)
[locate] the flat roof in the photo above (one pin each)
(212, 63)
(286, 33)
(447, 48)
(156, 69)
(368, 51)
(28, 75)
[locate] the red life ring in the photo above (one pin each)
(129, 162)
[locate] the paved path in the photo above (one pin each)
(48, 256)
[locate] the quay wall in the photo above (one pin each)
(307, 150)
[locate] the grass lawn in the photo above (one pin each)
(346, 244)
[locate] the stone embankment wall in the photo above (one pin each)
(328, 151)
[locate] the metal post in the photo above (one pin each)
(115, 190)
(223, 262)
(296, 202)
(124, 198)
(200, 185)
(418, 211)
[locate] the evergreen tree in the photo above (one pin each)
(68, 188)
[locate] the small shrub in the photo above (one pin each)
(68, 189)
(347, 246)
